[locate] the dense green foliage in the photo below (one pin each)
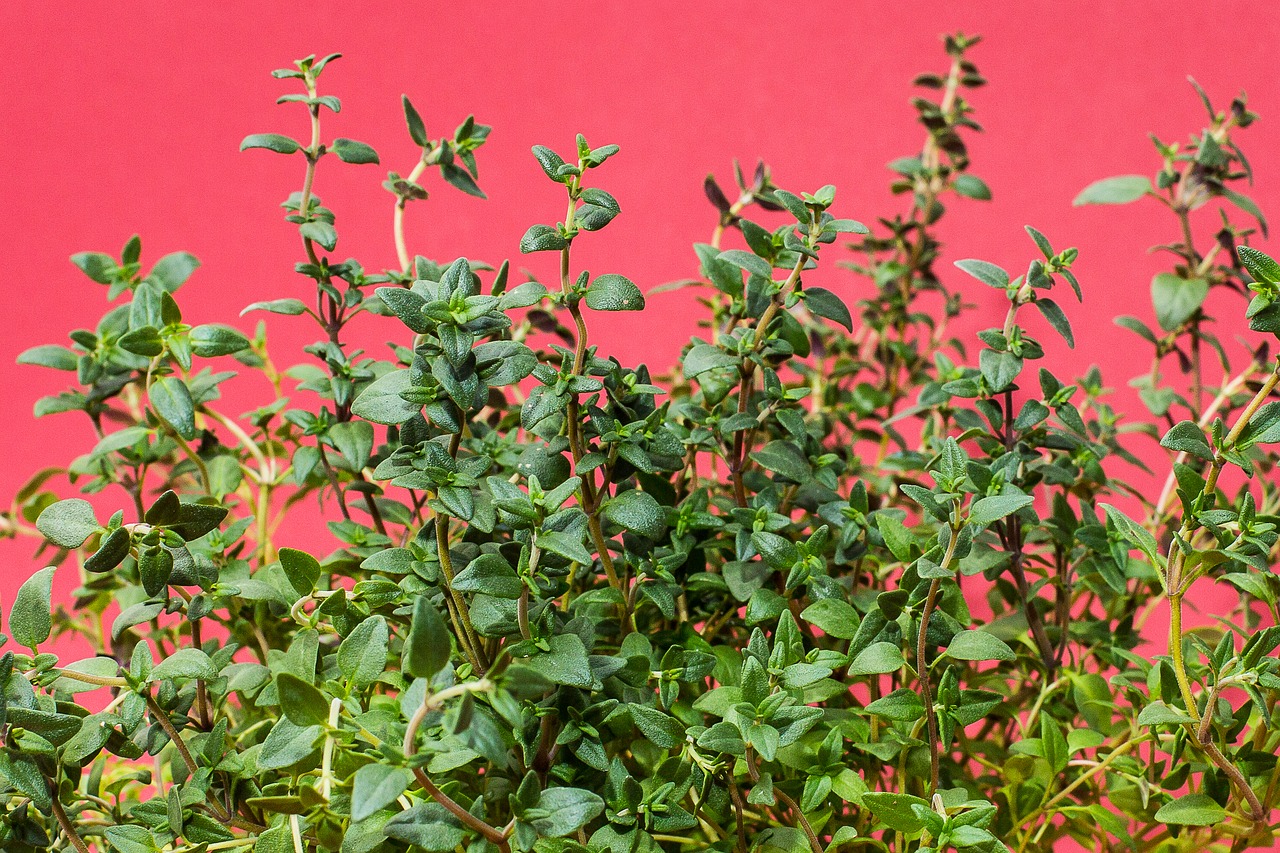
(837, 583)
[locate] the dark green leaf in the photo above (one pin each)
(826, 304)
(270, 141)
(638, 512)
(351, 151)
(614, 293)
(171, 400)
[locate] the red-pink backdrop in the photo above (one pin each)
(123, 118)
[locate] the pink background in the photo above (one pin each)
(123, 118)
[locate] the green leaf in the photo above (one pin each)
(662, 729)
(185, 663)
(1187, 437)
(300, 700)
(354, 440)
(986, 510)
(562, 811)
(877, 659)
(541, 238)
(362, 656)
(101, 667)
(213, 339)
(614, 293)
(784, 459)
(461, 179)
(833, 617)
(320, 232)
(753, 264)
(287, 744)
(703, 357)
(979, 645)
(999, 369)
(902, 705)
(1136, 535)
(131, 839)
(376, 787)
(428, 826)
(1246, 204)
(382, 401)
(270, 141)
(302, 570)
(987, 273)
(50, 355)
(288, 307)
(1157, 713)
(971, 186)
(824, 303)
(1057, 318)
(1259, 264)
(351, 151)
(1192, 810)
(1176, 299)
(489, 574)
(30, 620)
(1118, 190)
(847, 226)
(565, 662)
(417, 130)
(68, 523)
(173, 270)
(50, 725)
(428, 646)
(98, 266)
(638, 512)
(896, 811)
(171, 399)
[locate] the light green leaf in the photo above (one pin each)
(877, 659)
(376, 787)
(986, 510)
(1118, 190)
(30, 620)
(185, 663)
(1192, 810)
(362, 656)
(979, 645)
(561, 811)
(68, 523)
(1176, 299)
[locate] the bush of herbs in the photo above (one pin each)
(838, 581)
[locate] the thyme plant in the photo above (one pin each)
(838, 581)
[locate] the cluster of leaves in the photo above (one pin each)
(832, 585)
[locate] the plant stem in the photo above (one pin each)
(402, 251)
(922, 664)
(64, 822)
(410, 748)
(754, 771)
